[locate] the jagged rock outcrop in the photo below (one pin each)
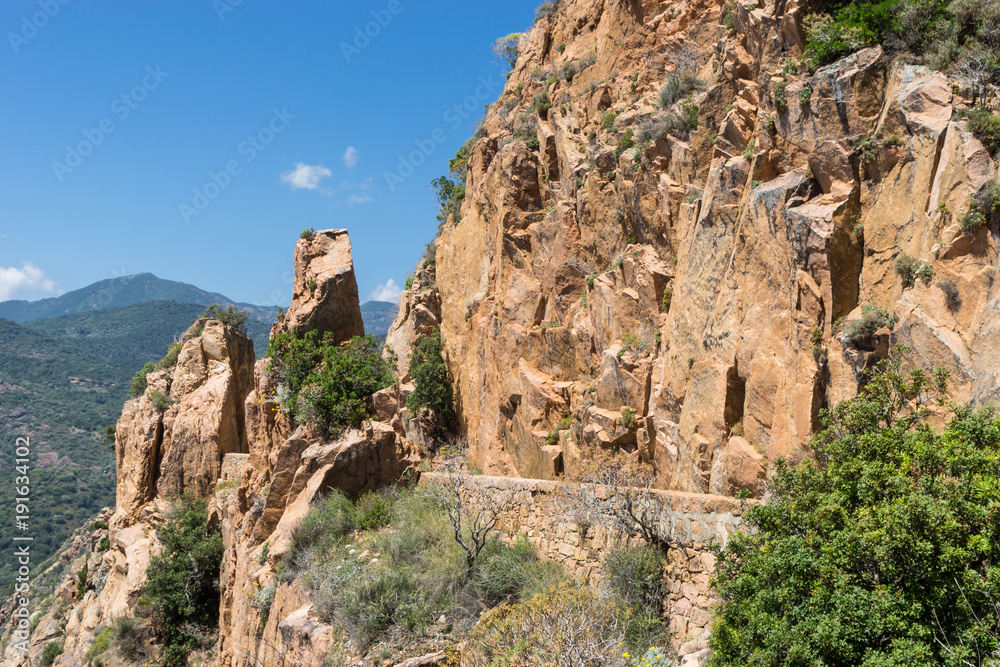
(177, 446)
(702, 280)
(324, 290)
(419, 315)
(682, 295)
(288, 466)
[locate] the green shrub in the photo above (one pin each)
(628, 418)
(450, 196)
(985, 127)
(139, 383)
(779, 95)
(540, 104)
(561, 47)
(534, 631)
(906, 268)
(325, 383)
(331, 517)
(161, 401)
(502, 570)
(231, 316)
(625, 142)
(689, 115)
(102, 642)
(182, 580)
(608, 120)
(308, 234)
(99, 525)
(104, 544)
(431, 380)
(678, 86)
(128, 637)
(373, 511)
(51, 651)
(913, 26)
(974, 219)
(925, 273)
(418, 573)
(137, 387)
(668, 295)
(634, 575)
(859, 333)
(805, 95)
(882, 551)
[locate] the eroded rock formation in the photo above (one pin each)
(703, 281)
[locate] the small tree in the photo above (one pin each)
(473, 512)
(182, 586)
(431, 381)
(231, 316)
(622, 498)
(979, 69)
(507, 49)
(882, 551)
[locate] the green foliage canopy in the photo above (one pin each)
(182, 584)
(432, 384)
(880, 553)
(326, 383)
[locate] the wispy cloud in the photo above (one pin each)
(359, 199)
(27, 278)
(390, 291)
(351, 157)
(305, 176)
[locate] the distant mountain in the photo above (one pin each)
(61, 394)
(133, 335)
(378, 316)
(125, 291)
(64, 375)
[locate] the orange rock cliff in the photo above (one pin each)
(609, 259)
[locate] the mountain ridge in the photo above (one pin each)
(124, 291)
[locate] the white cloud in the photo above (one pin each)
(306, 177)
(359, 199)
(390, 291)
(29, 277)
(351, 157)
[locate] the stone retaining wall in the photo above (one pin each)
(554, 524)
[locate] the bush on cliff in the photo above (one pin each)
(398, 577)
(326, 383)
(431, 381)
(939, 30)
(182, 587)
(231, 316)
(883, 551)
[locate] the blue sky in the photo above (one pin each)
(195, 139)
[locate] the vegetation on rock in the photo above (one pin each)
(182, 587)
(880, 552)
(431, 381)
(326, 383)
(231, 316)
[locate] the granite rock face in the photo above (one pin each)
(702, 279)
